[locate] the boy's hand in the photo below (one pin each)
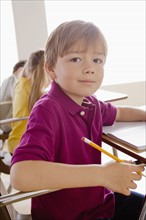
(121, 177)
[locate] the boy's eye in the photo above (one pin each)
(97, 60)
(75, 59)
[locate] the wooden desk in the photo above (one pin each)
(108, 96)
(138, 155)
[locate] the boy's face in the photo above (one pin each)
(80, 72)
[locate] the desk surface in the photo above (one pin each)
(109, 96)
(138, 155)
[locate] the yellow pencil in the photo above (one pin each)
(87, 141)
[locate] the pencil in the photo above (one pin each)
(91, 143)
(87, 141)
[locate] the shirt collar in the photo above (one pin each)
(66, 101)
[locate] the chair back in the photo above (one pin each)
(7, 211)
(143, 211)
(5, 112)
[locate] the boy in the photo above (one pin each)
(51, 153)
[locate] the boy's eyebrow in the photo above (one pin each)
(83, 51)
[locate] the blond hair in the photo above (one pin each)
(67, 34)
(34, 70)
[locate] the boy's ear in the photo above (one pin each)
(50, 71)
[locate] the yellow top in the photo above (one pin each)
(20, 109)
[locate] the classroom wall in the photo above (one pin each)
(136, 92)
(30, 26)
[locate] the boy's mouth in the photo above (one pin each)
(87, 81)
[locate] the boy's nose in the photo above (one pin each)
(88, 67)
(89, 71)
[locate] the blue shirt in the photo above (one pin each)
(54, 132)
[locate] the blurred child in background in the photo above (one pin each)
(7, 92)
(28, 90)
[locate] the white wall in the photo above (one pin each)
(136, 92)
(123, 25)
(30, 26)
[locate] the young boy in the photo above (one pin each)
(51, 153)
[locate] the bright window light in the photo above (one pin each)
(122, 23)
(9, 54)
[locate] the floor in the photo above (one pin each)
(24, 206)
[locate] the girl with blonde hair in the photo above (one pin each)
(28, 90)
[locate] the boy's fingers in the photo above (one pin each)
(127, 192)
(137, 176)
(132, 185)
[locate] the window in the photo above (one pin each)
(9, 54)
(122, 23)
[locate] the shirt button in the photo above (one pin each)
(82, 113)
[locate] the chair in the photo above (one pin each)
(5, 156)
(7, 210)
(3, 137)
(143, 211)
(5, 112)
(9, 120)
(4, 168)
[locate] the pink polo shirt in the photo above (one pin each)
(54, 133)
